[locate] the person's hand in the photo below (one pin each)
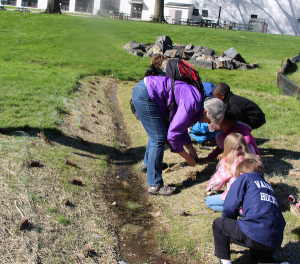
(191, 151)
(190, 160)
(189, 130)
(220, 156)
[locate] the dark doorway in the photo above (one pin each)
(136, 10)
(110, 5)
(84, 6)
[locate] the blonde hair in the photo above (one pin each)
(157, 60)
(234, 145)
(249, 165)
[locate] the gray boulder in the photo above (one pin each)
(197, 49)
(202, 64)
(208, 51)
(223, 62)
(232, 53)
(187, 54)
(164, 42)
(189, 47)
(138, 53)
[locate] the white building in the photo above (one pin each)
(280, 16)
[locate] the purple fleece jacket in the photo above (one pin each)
(188, 112)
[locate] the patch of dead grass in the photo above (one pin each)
(58, 233)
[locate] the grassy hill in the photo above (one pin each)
(44, 57)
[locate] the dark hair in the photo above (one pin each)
(232, 113)
(151, 71)
(222, 88)
(250, 165)
(157, 60)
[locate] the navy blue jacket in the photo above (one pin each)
(262, 220)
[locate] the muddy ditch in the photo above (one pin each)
(126, 193)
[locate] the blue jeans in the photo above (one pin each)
(214, 202)
(153, 122)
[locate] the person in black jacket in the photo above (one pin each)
(262, 225)
(251, 114)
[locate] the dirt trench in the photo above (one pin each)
(127, 191)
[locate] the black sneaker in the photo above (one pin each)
(144, 167)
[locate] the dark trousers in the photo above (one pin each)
(227, 231)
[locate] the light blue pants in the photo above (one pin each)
(214, 202)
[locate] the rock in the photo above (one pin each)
(196, 55)
(186, 55)
(33, 163)
(246, 67)
(149, 53)
(184, 213)
(127, 46)
(135, 45)
(177, 45)
(197, 49)
(68, 162)
(24, 223)
(138, 53)
(232, 53)
(208, 51)
(164, 39)
(223, 63)
(76, 182)
(254, 65)
(163, 43)
(67, 202)
(131, 51)
(189, 47)
(148, 46)
(202, 64)
(206, 57)
(170, 53)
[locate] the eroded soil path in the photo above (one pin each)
(126, 190)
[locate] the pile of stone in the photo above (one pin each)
(202, 57)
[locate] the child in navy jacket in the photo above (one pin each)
(261, 227)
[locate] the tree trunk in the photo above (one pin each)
(53, 7)
(159, 12)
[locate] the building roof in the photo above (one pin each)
(178, 4)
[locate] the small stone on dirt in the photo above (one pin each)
(23, 224)
(115, 204)
(68, 162)
(84, 128)
(33, 163)
(96, 122)
(76, 182)
(66, 202)
(184, 213)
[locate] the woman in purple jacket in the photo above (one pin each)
(152, 98)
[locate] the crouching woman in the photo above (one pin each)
(152, 98)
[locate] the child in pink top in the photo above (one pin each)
(235, 150)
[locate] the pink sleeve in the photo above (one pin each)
(219, 178)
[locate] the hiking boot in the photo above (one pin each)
(144, 167)
(161, 190)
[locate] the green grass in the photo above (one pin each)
(134, 206)
(43, 56)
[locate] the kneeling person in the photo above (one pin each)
(261, 227)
